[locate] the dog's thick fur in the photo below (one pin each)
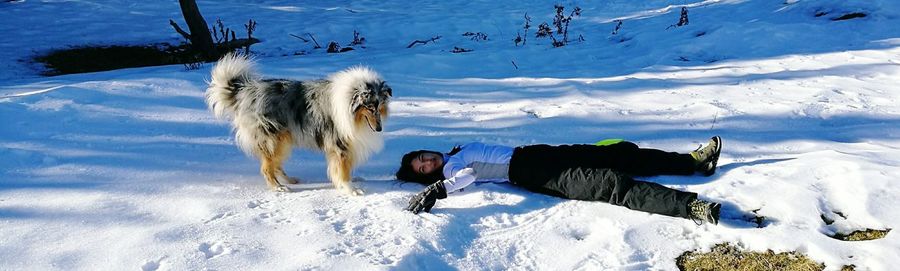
(341, 116)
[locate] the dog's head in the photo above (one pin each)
(369, 102)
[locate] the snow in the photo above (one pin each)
(127, 169)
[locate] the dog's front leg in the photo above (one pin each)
(339, 167)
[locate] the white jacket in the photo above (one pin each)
(477, 162)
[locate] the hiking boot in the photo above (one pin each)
(707, 157)
(704, 211)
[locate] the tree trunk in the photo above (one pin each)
(201, 39)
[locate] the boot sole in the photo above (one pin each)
(714, 162)
(714, 212)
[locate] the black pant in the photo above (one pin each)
(603, 173)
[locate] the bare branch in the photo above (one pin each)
(422, 41)
(314, 41)
(179, 30)
(299, 37)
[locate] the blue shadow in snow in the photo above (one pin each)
(731, 166)
(733, 217)
(46, 185)
(699, 179)
(459, 233)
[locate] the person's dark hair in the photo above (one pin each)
(407, 174)
(454, 150)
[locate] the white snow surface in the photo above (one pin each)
(128, 170)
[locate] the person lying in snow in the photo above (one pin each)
(600, 172)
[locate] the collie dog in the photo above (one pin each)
(341, 116)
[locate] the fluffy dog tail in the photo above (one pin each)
(230, 71)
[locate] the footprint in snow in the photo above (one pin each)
(254, 204)
(152, 265)
(218, 217)
(213, 250)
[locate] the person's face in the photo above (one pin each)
(427, 162)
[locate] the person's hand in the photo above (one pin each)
(427, 198)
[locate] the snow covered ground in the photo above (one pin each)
(127, 169)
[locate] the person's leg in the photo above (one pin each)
(601, 184)
(628, 158)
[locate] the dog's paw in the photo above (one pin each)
(281, 188)
(356, 191)
(285, 179)
(292, 180)
(353, 191)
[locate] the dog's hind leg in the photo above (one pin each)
(282, 153)
(339, 167)
(269, 170)
(270, 164)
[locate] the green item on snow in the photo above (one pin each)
(608, 141)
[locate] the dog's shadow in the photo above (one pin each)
(310, 186)
(356, 182)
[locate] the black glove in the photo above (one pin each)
(426, 199)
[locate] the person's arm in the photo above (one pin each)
(459, 176)
(456, 168)
(461, 179)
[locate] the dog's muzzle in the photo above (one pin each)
(376, 121)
